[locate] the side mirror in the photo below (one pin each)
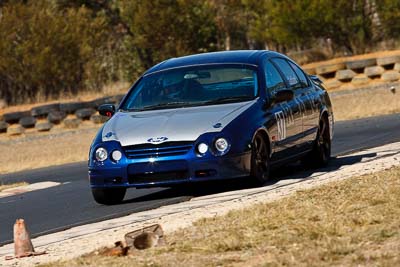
(283, 95)
(106, 110)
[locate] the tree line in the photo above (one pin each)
(51, 48)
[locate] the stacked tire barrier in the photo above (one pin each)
(43, 118)
(357, 71)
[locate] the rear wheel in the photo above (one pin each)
(108, 196)
(321, 152)
(260, 160)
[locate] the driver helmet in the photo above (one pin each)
(172, 78)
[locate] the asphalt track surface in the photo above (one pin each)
(71, 203)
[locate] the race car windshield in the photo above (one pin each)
(193, 86)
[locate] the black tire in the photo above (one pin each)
(14, 117)
(27, 122)
(42, 111)
(71, 107)
(3, 126)
(260, 166)
(56, 116)
(84, 113)
(321, 152)
(108, 196)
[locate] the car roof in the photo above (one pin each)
(251, 57)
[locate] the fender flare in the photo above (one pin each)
(263, 130)
(329, 116)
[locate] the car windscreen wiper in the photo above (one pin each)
(229, 99)
(164, 105)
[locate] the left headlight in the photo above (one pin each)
(101, 154)
(222, 146)
(202, 148)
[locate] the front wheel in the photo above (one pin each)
(108, 196)
(260, 161)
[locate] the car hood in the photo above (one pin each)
(182, 124)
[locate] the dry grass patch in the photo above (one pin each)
(353, 222)
(108, 90)
(9, 186)
(361, 104)
(47, 150)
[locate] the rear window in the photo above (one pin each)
(289, 73)
(273, 78)
(300, 75)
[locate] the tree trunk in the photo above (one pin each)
(227, 42)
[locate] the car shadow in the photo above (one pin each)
(295, 170)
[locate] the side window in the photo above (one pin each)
(300, 75)
(290, 75)
(273, 78)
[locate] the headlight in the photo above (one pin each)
(221, 145)
(116, 155)
(202, 148)
(101, 154)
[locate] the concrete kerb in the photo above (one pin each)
(390, 76)
(342, 69)
(360, 63)
(86, 238)
(387, 60)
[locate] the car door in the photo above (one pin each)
(308, 96)
(288, 126)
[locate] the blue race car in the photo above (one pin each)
(211, 116)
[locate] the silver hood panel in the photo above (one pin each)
(183, 124)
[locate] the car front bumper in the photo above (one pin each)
(169, 171)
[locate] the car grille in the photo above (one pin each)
(157, 150)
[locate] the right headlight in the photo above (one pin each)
(116, 155)
(101, 154)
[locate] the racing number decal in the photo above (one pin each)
(286, 117)
(281, 125)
